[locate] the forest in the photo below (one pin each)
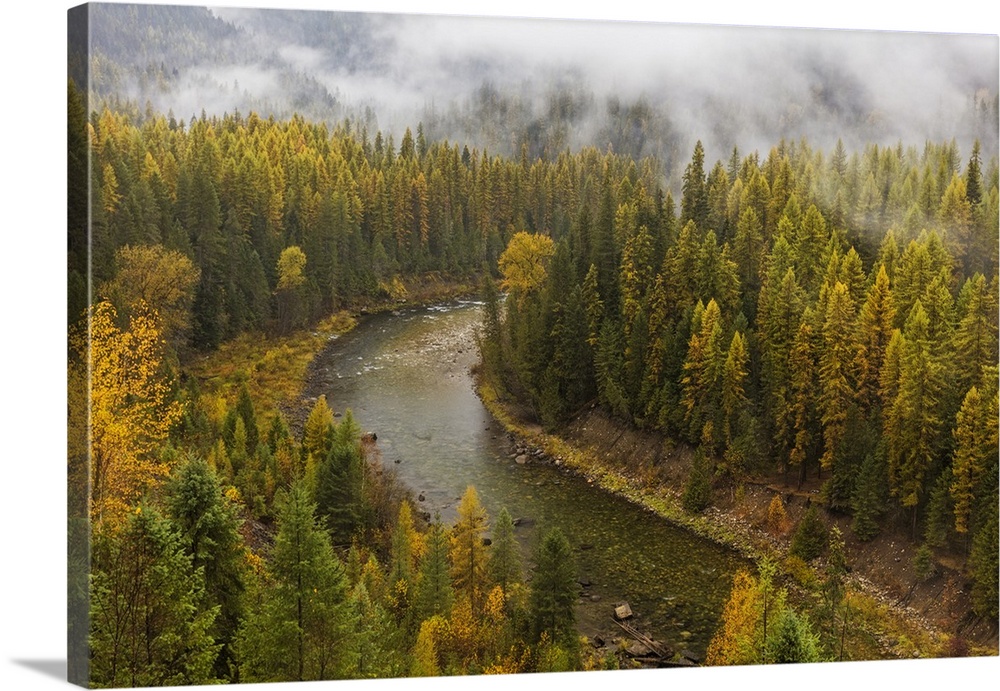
(808, 313)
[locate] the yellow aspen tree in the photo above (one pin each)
(131, 411)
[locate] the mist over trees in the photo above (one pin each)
(541, 87)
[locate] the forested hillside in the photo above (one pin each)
(818, 314)
(827, 313)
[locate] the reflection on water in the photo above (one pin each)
(405, 376)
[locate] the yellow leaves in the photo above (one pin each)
(130, 408)
(164, 279)
(290, 266)
(523, 263)
(109, 190)
(735, 641)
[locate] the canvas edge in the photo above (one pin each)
(78, 266)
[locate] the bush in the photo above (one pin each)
(698, 488)
(923, 563)
(777, 518)
(810, 536)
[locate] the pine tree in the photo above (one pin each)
(913, 423)
(554, 591)
(505, 559)
(792, 640)
(209, 526)
(975, 337)
(810, 537)
(703, 368)
(875, 327)
(697, 493)
(803, 385)
(694, 199)
(405, 548)
(317, 435)
(835, 380)
(434, 594)
(150, 625)
(973, 176)
(300, 626)
(340, 483)
(734, 376)
(468, 553)
(868, 499)
(975, 434)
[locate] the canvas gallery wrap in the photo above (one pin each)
(411, 345)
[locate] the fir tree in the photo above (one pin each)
(554, 591)
(209, 526)
(434, 594)
(505, 560)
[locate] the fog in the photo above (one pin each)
(641, 88)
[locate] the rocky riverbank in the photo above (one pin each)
(900, 614)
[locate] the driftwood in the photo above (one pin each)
(655, 647)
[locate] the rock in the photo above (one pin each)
(623, 611)
(397, 461)
(487, 542)
(598, 642)
(521, 460)
(585, 582)
(688, 655)
(685, 635)
(525, 522)
(595, 598)
(421, 497)
(637, 650)
(585, 546)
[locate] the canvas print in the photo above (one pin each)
(411, 345)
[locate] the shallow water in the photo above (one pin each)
(405, 376)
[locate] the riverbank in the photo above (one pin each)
(894, 614)
(276, 369)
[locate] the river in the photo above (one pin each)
(405, 376)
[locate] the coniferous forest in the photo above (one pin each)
(812, 316)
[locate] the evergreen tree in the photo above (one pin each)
(505, 559)
(835, 380)
(975, 434)
(302, 620)
(810, 537)
(339, 483)
(150, 625)
(913, 424)
(698, 489)
(792, 640)
(554, 592)
(734, 376)
(434, 594)
(875, 327)
(694, 199)
(868, 499)
(209, 527)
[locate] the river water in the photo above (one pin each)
(405, 376)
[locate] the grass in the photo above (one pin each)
(273, 367)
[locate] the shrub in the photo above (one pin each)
(810, 536)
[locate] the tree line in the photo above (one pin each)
(829, 316)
